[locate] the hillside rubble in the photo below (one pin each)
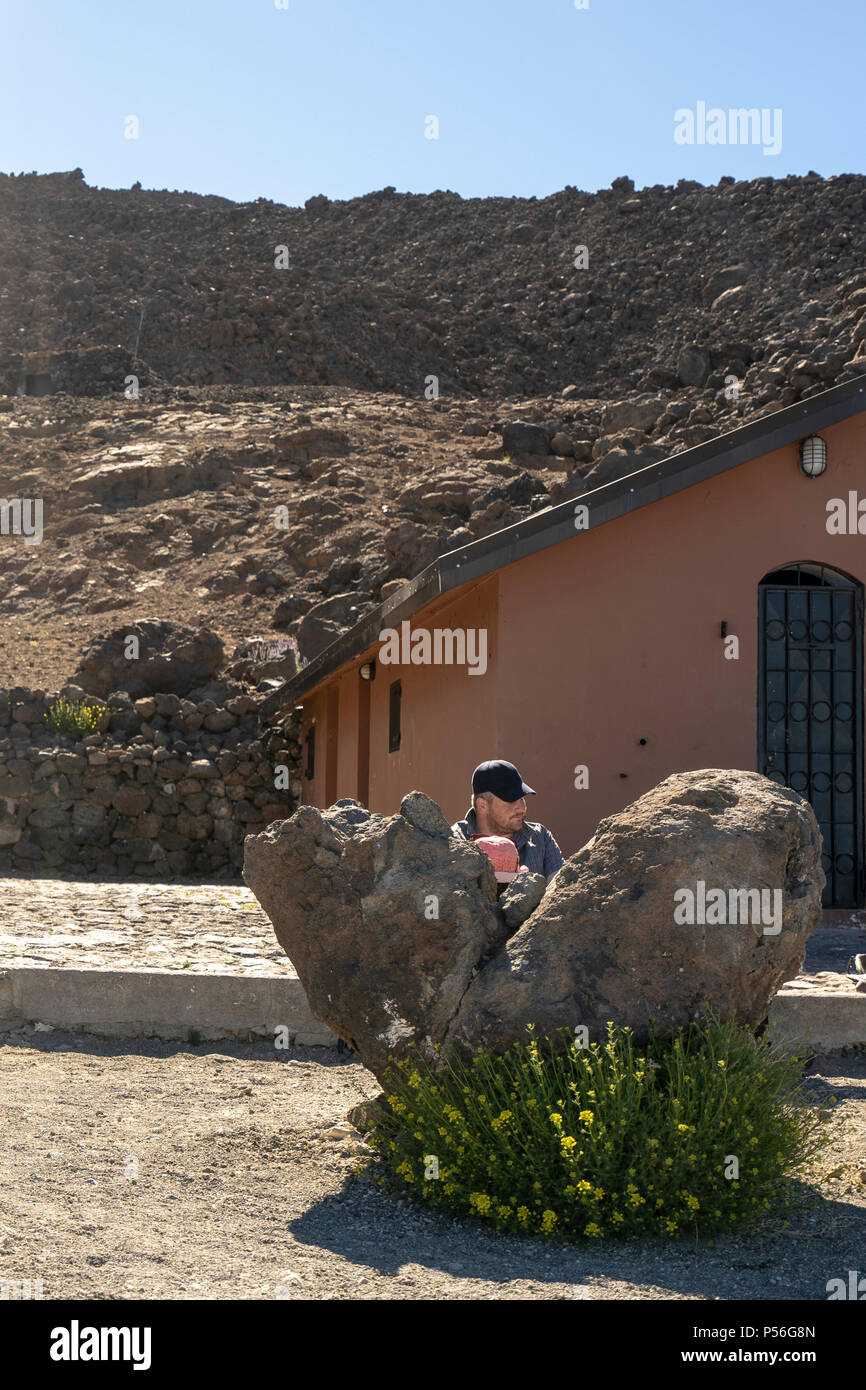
(282, 470)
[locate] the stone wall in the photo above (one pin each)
(163, 787)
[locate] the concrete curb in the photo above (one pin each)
(160, 1003)
(180, 1005)
(823, 1020)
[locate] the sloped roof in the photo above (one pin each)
(545, 528)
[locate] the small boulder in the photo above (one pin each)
(694, 365)
(634, 414)
(165, 656)
(521, 898)
(519, 437)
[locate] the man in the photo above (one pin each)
(499, 808)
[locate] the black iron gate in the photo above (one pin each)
(810, 709)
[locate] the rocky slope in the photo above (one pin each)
(303, 388)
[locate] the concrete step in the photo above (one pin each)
(822, 1020)
(161, 1004)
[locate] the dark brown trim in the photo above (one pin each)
(554, 524)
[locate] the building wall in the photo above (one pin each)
(617, 632)
(604, 640)
(447, 716)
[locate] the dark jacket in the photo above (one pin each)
(536, 847)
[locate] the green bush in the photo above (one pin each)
(610, 1140)
(72, 716)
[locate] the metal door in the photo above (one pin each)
(810, 715)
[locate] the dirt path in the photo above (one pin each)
(138, 1169)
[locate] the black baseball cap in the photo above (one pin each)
(500, 778)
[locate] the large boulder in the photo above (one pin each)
(606, 943)
(165, 657)
(397, 935)
(385, 918)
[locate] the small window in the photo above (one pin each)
(396, 694)
(310, 770)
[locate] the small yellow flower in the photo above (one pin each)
(556, 1119)
(548, 1221)
(567, 1143)
(586, 1117)
(592, 1229)
(523, 1213)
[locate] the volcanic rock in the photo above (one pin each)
(394, 928)
(605, 945)
(170, 658)
(693, 365)
(384, 918)
(519, 437)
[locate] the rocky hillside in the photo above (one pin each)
(382, 291)
(303, 388)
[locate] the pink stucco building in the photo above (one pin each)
(705, 611)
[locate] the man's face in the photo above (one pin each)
(506, 817)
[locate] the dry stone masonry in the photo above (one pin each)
(165, 786)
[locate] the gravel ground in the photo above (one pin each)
(141, 1169)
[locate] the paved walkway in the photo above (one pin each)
(221, 929)
(841, 935)
(202, 928)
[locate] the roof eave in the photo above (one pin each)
(554, 524)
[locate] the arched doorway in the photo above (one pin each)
(810, 708)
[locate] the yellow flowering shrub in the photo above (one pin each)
(605, 1142)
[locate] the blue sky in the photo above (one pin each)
(248, 100)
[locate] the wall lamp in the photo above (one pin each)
(813, 456)
(367, 672)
